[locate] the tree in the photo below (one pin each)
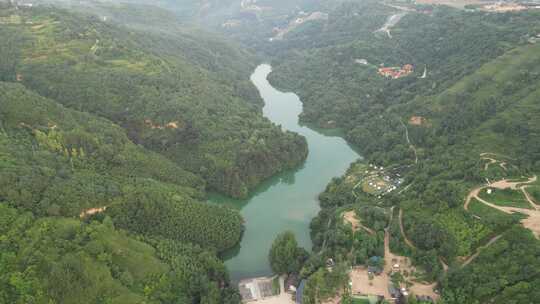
(285, 255)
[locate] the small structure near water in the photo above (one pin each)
(256, 289)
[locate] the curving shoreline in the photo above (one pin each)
(287, 201)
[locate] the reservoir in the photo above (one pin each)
(287, 201)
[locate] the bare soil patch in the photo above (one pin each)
(352, 218)
(378, 285)
(92, 211)
(532, 222)
(362, 285)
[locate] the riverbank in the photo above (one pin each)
(289, 200)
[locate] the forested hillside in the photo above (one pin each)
(457, 137)
(344, 90)
(171, 95)
(58, 165)
(116, 119)
(110, 135)
(62, 260)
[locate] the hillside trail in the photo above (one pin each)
(405, 238)
(502, 184)
(444, 265)
(529, 198)
(405, 264)
(505, 183)
(479, 249)
(411, 244)
(387, 252)
(391, 22)
(411, 146)
(532, 220)
(94, 47)
(424, 74)
(92, 211)
(473, 194)
(496, 154)
(352, 218)
(491, 162)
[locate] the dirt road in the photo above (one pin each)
(350, 217)
(491, 162)
(479, 249)
(411, 146)
(531, 222)
(529, 198)
(405, 238)
(391, 22)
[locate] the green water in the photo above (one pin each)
(287, 201)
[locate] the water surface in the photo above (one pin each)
(287, 201)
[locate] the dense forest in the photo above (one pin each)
(116, 119)
(196, 106)
(59, 166)
(471, 102)
(110, 136)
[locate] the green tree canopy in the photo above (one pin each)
(285, 255)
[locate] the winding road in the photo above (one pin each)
(531, 222)
(407, 241)
(391, 22)
(411, 146)
(479, 249)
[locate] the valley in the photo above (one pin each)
(380, 152)
(288, 201)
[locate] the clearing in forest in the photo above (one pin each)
(352, 218)
(532, 219)
(92, 211)
(372, 179)
(505, 197)
(365, 283)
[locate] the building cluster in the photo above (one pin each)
(381, 182)
(256, 289)
(396, 72)
(417, 120)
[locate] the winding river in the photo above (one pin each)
(287, 201)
